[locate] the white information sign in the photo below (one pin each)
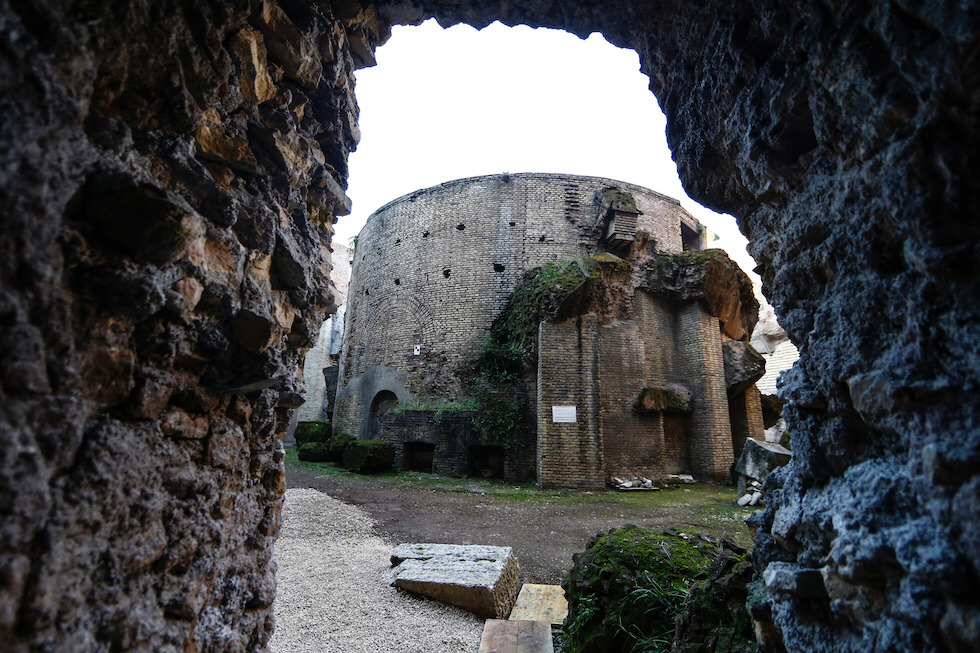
(563, 414)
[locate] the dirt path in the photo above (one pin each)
(545, 531)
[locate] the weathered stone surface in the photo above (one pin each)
(760, 458)
(713, 278)
(743, 366)
(673, 399)
(842, 137)
(481, 579)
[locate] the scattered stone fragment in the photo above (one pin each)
(541, 603)
(481, 579)
(523, 636)
(758, 459)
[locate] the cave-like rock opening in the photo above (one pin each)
(170, 173)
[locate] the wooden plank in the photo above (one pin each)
(541, 603)
(501, 636)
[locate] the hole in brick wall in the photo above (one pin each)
(513, 224)
(425, 235)
(398, 240)
(541, 239)
(461, 226)
(497, 267)
(366, 292)
(417, 456)
(398, 282)
(445, 273)
(485, 461)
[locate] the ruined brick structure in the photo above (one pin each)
(432, 272)
(169, 172)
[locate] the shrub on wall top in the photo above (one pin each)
(312, 432)
(338, 442)
(369, 456)
(314, 452)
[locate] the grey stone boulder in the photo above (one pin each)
(743, 366)
(481, 579)
(758, 459)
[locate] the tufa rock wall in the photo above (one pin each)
(169, 174)
(156, 157)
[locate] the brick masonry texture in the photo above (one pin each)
(433, 269)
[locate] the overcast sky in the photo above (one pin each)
(445, 104)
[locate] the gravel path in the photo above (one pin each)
(334, 594)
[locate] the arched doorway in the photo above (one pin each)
(382, 404)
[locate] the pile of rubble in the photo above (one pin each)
(634, 483)
(753, 494)
(757, 461)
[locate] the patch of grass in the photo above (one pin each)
(702, 507)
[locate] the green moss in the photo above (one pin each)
(312, 432)
(369, 456)
(314, 452)
(664, 270)
(438, 407)
(663, 400)
(627, 587)
(335, 448)
(539, 296)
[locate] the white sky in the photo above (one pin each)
(445, 104)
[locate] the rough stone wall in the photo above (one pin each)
(842, 135)
(484, 233)
(169, 173)
(326, 352)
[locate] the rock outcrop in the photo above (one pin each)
(168, 176)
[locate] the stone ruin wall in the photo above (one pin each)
(400, 296)
(170, 175)
(141, 485)
(325, 353)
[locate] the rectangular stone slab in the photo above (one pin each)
(541, 603)
(516, 637)
(481, 579)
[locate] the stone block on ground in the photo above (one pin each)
(519, 636)
(759, 458)
(481, 579)
(541, 603)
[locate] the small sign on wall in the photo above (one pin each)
(418, 349)
(563, 414)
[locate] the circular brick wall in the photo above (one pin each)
(434, 268)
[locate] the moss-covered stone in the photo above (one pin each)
(312, 432)
(556, 290)
(369, 456)
(335, 448)
(715, 618)
(710, 276)
(314, 452)
(627, 587)
(671, 400)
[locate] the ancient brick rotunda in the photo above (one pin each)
(553, 326)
